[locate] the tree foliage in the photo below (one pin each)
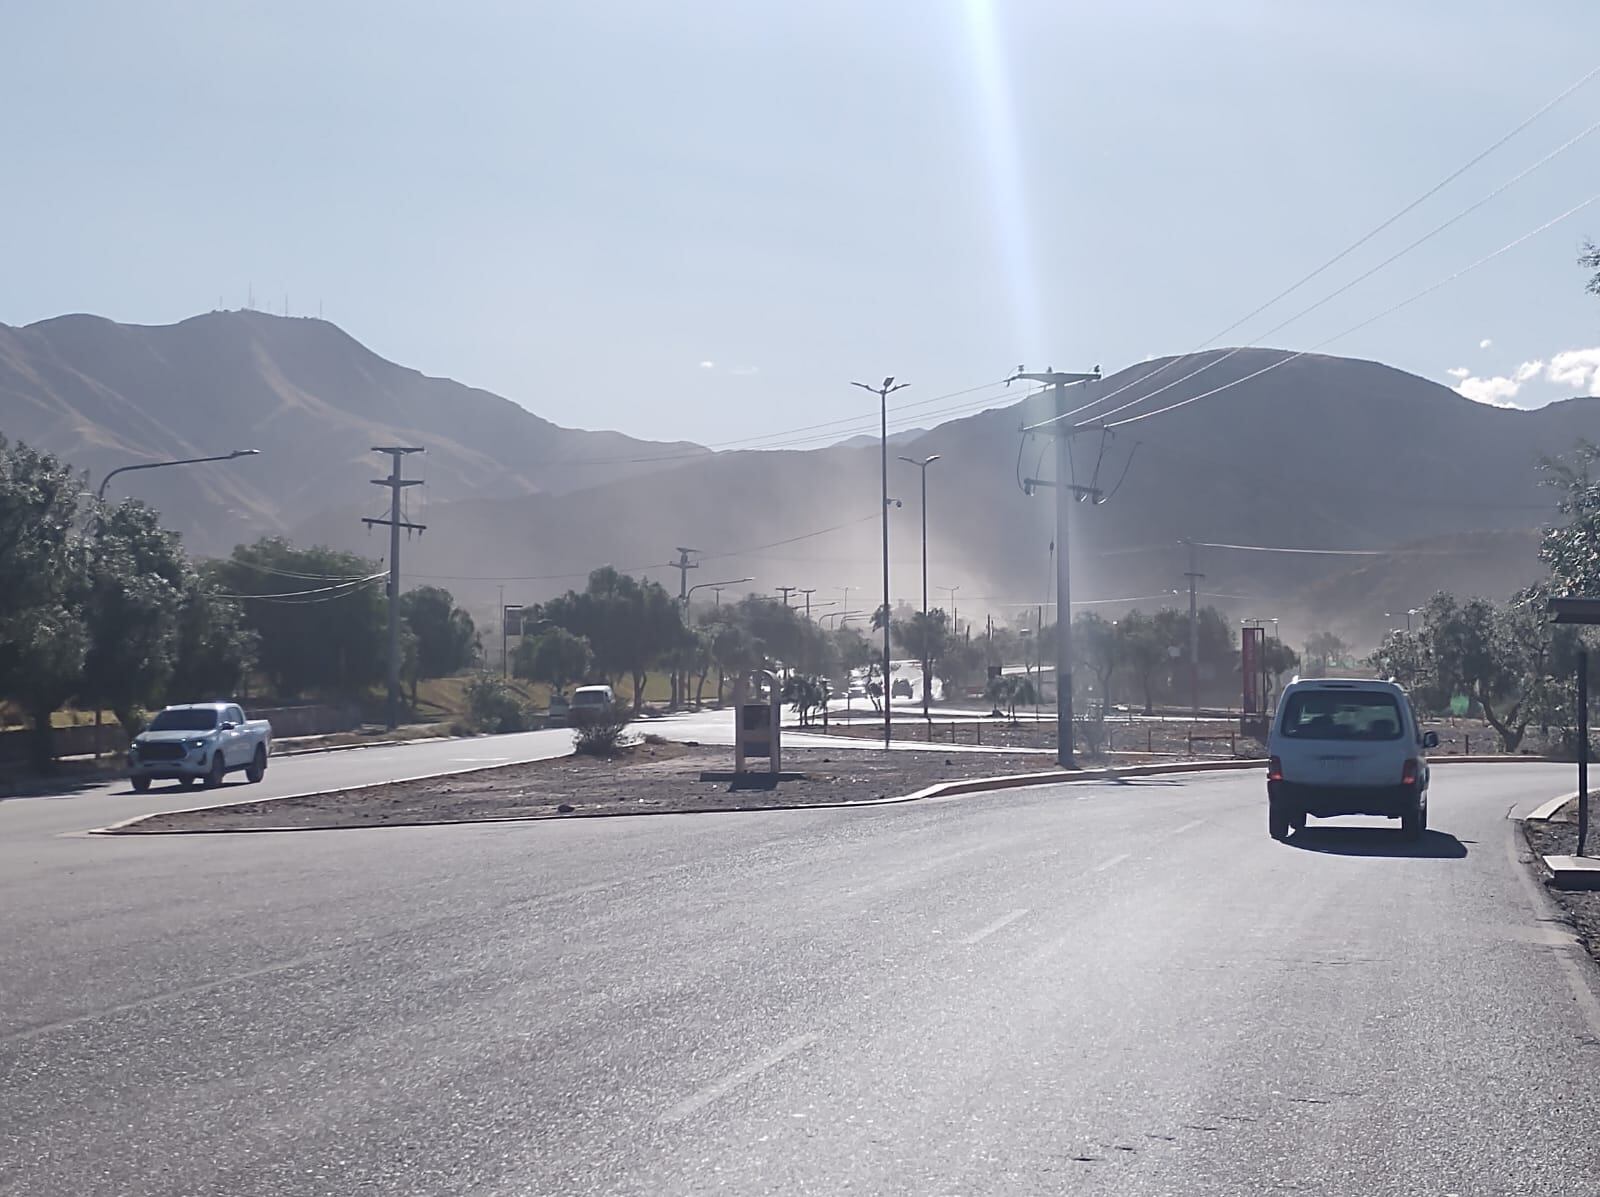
(446, 636)
(555, 657)
(631, 625)
(332, 642)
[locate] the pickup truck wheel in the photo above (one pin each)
(257, 768)
(141, 784)
(219, 770)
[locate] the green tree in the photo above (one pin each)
(555, 657)
(630, 625)
(1010, 689)
(44, 579)
(1324, 652)
(214, 650)
(1144, 643)
(1572, 549)
(137, 578)
(922, 638)
(446, 636)
(1098, 646)
(1590, 260)
(734, 650)
(321, 624)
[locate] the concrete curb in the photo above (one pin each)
(371, 744)
(1546, 811)
(973, 785)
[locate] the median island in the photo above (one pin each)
(647, 778)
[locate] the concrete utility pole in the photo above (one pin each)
(1194, 577)
(786, 591)
(808, 593)
(922, 467)
(394, 523)
(889, 387)
(1066, 492)
(683, 565)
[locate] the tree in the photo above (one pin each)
(734, 650)
(555, 657)
(1145, 651)
(1097, 644)
(319, 616)
(43, 583)
(137, 577)
(922, 638)
(1590, 260)
(1277, 658)
(961, 665)
(1403, 656)
(214, 650)
(495, 706)
(446, 636)
(630, 625)
(1324, 651)
(1572, 549)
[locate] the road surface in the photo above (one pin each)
(1093, 988)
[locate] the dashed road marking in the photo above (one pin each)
(1112, 863)
(999, 924)
(719, 1089)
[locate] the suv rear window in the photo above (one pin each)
(1341, 715)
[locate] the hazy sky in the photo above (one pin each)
(704, 219)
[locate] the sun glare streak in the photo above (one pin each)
(996, 128)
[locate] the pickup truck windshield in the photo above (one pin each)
(197, 720)
(1341, 715)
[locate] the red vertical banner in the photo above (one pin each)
(1250, 669)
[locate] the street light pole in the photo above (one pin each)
(926, 664)
(955, 623)
(100, 495)
(883, 392)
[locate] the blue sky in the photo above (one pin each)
(704, 219)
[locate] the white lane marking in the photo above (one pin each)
(733, 1080)
(1112, 863)
(1189, 826)
(1000, 924)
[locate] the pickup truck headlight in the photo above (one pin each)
(196, 743)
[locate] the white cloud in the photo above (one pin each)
(1496, 392)
(1458, 372)
(708, 365)
(1485, 343)
(1578, 368)
(1528, 371)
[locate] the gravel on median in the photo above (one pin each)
(647, 778)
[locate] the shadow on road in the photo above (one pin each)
(1378, 841)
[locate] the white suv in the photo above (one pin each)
(1346, 748)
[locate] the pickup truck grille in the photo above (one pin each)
(161, 750)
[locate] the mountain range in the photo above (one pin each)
(1399, 483)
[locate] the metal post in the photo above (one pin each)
(505, 663)
(1583, 749)
(1194, 635)
(396, 484)
(883, 392)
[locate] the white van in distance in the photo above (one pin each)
(1346, 748)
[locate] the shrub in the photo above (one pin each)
(600, 732)
(494, 706)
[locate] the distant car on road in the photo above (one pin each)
(199, 742)
(588, 702)
(901, 689)
(1346, 748)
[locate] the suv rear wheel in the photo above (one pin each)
(1415, 821)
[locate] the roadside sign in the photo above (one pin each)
(512, 621)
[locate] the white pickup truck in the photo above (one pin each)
(203, 741)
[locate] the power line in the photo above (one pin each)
(1360, 278)
(1426, 291)
(1366, 237)
(348, 587)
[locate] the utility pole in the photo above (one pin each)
(505, 662)
(1066, 492)
(394, 523)
(683, 565)
(808, 594)
(1194, 575)
(889, 387)
(955, 622)
(786, 591)
(922, 466)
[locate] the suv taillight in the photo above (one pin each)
(1408, 775)
(1274, 769)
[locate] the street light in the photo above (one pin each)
(712, 586)
(923, 466)
(888, 387)
(100, 495)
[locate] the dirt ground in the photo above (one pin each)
(1559, 837)
(647, 778)
(1212, 738)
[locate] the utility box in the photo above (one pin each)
(758, 732)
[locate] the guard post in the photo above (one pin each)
(1580, 611)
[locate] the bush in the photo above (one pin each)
(494, 706)
(600, 731)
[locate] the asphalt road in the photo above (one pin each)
(1091, 988)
